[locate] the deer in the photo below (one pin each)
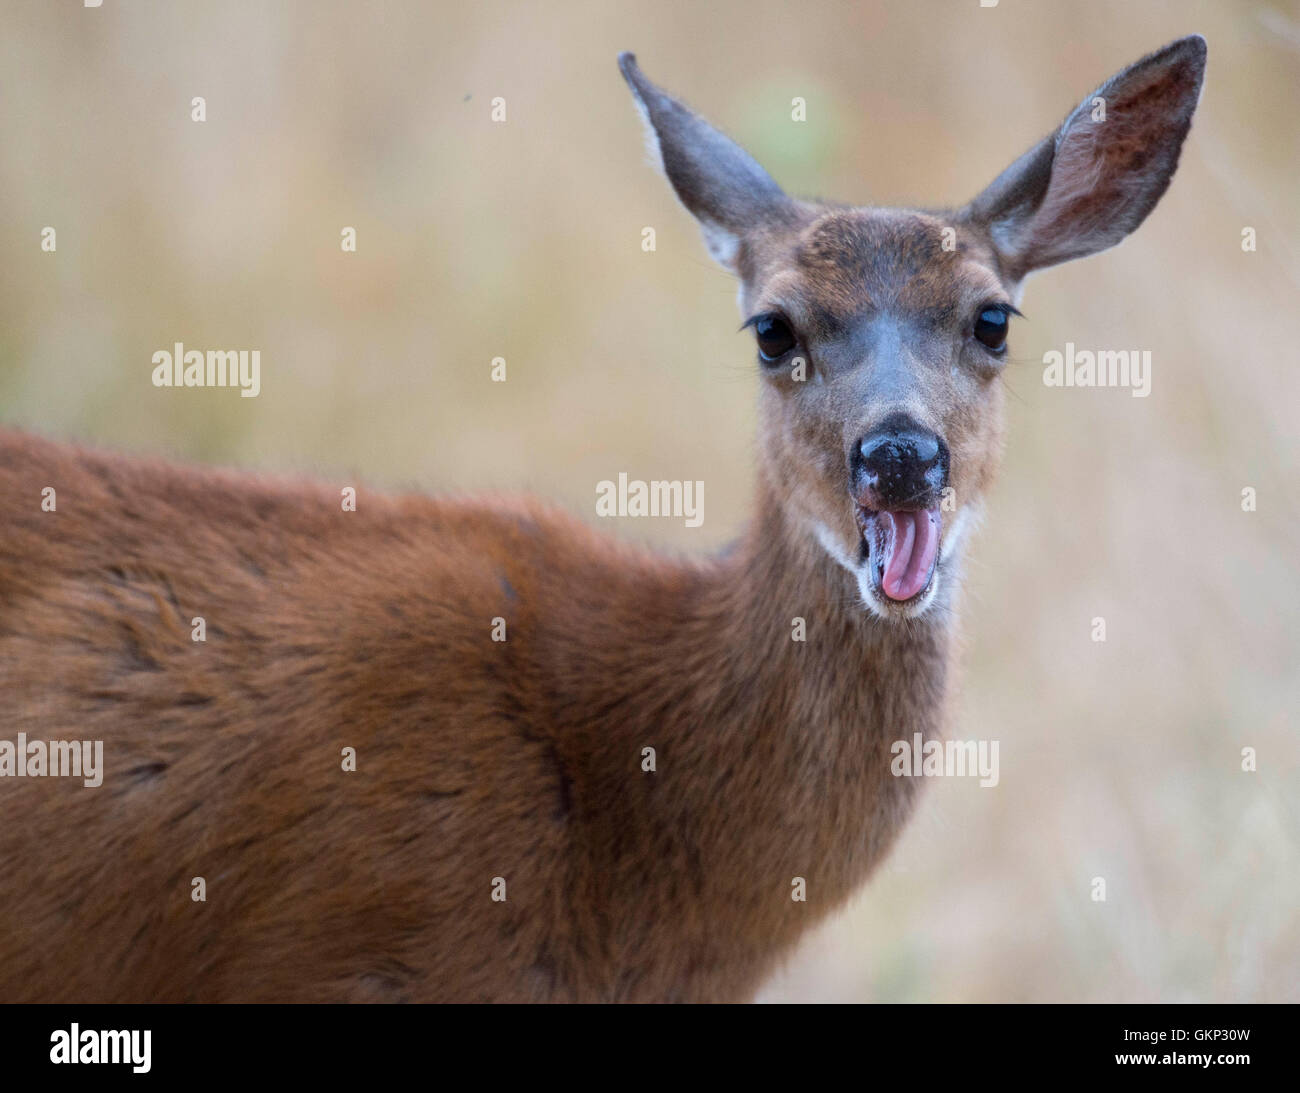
(618, 801)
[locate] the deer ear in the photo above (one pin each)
(720, 183)
(1095, 179)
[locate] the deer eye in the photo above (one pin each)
(775, 338)
(991, 328)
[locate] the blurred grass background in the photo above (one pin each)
(522, 240)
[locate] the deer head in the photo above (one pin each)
(882, 333)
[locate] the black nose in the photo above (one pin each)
(899, 466)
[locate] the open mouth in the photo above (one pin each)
(901, 550)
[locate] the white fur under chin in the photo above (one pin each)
(953, 540)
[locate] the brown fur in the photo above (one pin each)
(476, 759)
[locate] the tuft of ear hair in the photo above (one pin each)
(1089, 184)
(720, 183)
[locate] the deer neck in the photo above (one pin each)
(802, 739)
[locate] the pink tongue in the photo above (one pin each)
(911, 545)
